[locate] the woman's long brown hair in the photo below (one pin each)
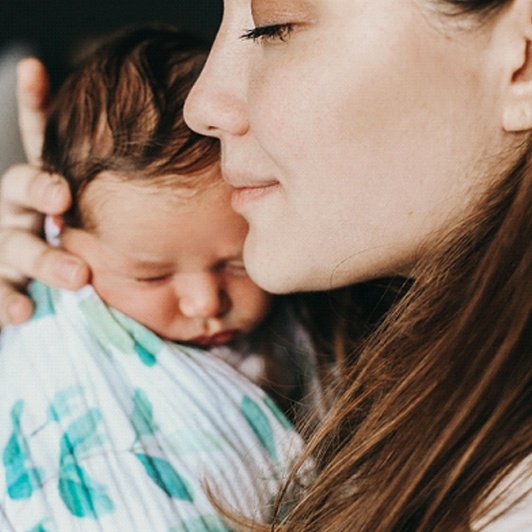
(435, 409)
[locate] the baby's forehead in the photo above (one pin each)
(189, 227)
(168, 185)
(131, 195)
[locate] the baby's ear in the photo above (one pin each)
(517, 113)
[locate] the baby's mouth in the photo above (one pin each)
(220, 338)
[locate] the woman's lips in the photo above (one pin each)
(216, 339)
(247, 194)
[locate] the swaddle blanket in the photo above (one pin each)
(104, 426)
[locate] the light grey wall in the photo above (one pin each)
(10, 144)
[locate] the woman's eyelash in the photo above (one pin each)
(280, 32)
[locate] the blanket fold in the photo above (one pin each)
(105, 426)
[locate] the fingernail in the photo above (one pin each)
(55, 191)
(71, 271)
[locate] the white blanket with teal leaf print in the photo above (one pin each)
(104, 426)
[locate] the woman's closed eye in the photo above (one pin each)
(273, 32)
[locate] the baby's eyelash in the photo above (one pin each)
(156, 279)
(279, 32)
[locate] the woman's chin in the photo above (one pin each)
(267, 270)
(281, 273)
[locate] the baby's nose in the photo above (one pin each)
(202, 296)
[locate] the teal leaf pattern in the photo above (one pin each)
(145, 356)
(61, 406)
(276, 411)
(142, 414)
(82, 496)
(103, 325)
(39, 527)
(16, 448)
(166, 477)
(259, 423)
(111, 327)
(42, 296)
(21, 480)
(146, 339)
(81, 435)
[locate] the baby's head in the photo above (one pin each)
(151, 214)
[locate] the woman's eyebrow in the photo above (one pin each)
(267, 12)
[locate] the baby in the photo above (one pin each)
(105, 421)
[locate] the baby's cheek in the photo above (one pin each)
(125, 297)
(249, 302)
(164, 305)
(109, 289)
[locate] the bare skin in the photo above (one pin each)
(25, 190)
(481, 131)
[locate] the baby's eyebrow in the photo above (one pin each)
(142, 263)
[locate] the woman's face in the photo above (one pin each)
(355, 131)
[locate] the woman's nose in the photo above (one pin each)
(216, 105)
(202, 296)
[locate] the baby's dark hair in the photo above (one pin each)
(121, 110)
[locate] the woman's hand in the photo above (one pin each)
(26, 194)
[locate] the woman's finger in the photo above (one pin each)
(26, 191)
(33, 96)
(15, 307)
(29, 256)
